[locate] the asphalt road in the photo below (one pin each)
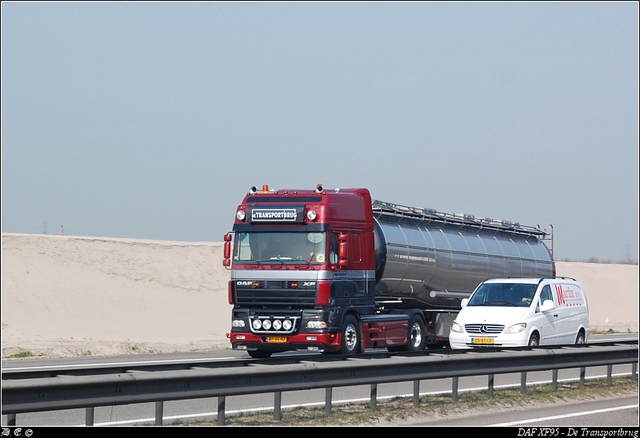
(606, 412)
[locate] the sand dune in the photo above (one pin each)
(65, 295)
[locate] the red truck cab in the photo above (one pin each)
(303, 273)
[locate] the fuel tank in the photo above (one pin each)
(432, 262)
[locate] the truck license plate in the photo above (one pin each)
(482, 340)
(276, 339)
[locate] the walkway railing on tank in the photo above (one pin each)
(427, 214)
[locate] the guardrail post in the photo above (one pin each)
(454, 389)
(89, 416)
(634, 370)
(222, 401)
(523, 382)
(11, 420)
(416, 393)
(582, 373)
(328, 394)
(554, 379)
(159, 412)
(277, 406)
(490, 384)
(374, 397)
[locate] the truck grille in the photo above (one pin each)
(484, 328)
(275, 293)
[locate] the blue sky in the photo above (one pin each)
(152, 120)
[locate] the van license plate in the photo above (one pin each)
(276, 339)
(482, 340)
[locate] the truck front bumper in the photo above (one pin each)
(306, 341)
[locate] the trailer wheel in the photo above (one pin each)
(416, 338)
(350, 336)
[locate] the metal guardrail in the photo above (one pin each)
(69, 391)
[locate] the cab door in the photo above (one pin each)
(549, 320)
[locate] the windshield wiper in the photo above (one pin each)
(499, 303)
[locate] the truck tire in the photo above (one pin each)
(416, 338)
(350, 343)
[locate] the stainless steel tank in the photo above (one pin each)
(433, 262)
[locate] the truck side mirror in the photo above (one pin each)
(343, 250)
(226, 262)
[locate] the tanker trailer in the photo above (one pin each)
(431, 260)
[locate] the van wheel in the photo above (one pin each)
(350, 336)
(580, 337)
(534, 340)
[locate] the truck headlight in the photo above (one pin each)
(457, 328)
(238, 323)
(316, 324)
(516, 328)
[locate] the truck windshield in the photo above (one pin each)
(280, 247)
(503, 294)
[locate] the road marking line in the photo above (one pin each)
(557, 417)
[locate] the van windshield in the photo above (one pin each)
(503, 294)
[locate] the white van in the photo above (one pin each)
(522, 311)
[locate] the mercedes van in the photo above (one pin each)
(522, 311)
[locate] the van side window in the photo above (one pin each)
(545, 295)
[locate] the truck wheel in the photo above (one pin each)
(416, 339)
(350, 336)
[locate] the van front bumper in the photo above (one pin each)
(466, 340)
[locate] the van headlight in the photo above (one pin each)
(457, 328)
(516, 328)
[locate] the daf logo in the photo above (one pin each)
(244, 283)
(308, 283)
